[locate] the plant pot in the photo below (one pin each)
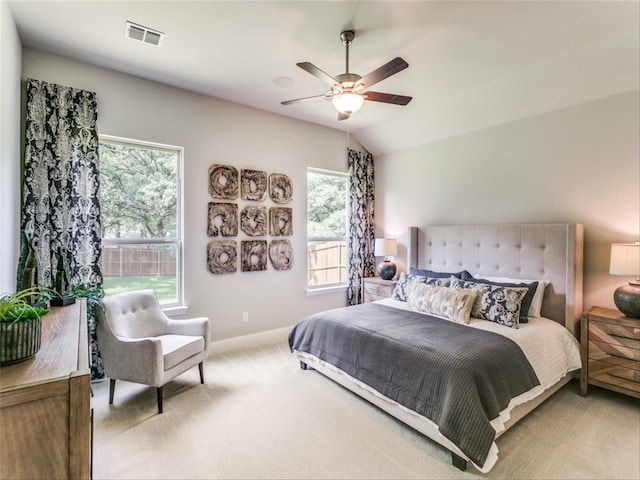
(19, 341)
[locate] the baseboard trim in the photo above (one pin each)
(249, 341)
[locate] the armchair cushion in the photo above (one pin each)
(177, 348)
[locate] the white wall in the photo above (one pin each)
(10, 180)
(214, 131)
(580, 164)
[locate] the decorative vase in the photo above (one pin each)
(387, 269)
(19, 341)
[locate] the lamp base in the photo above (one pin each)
(627, 299)
(387, 270)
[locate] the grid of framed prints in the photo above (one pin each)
(249, 204)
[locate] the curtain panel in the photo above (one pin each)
(61, 226)
(360, 248)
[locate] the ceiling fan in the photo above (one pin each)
(349, 91)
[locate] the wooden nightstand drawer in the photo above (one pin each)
(599, 350)
(616, 375)
(375, 288)
(614, 334)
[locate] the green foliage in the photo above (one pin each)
(138, 191)
(326, 205)
(93, 296)
(18, 307)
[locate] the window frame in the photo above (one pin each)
(179, 307)
(328, 287)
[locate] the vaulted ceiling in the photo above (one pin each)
(472, 64)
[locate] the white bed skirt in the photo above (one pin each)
(419, 422)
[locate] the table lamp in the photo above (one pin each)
(625, 261)
(386, 247)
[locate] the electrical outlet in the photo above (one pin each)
(245, 317)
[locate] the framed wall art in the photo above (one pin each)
(281, 254)
(223, 219)
(280, 188)
(253, 257)
(222, 256)
(253, 220)
(253, 185)
(280, 221)
(223, 181)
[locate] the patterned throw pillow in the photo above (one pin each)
(494, 303)
(407, 280)
(525, 307)
(452, 304)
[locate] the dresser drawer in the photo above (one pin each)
(620, 376)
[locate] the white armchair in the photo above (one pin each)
(139, 343)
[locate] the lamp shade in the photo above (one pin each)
(386, 247)
(625, 259)
(348, 103)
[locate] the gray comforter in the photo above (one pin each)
(455, 375)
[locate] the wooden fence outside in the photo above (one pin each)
(327, 262)
(138, 261)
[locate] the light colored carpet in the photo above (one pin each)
(260, 417)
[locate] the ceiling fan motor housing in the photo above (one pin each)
(347, 36)
(347, 82)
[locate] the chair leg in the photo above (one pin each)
(112, 389)
(159, 395)
(201, 368)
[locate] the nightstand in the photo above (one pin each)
(375, 288)
(610, 351)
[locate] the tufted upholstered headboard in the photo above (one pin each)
(550, 252)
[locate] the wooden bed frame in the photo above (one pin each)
(549, 252)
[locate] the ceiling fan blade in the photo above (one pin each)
(390, 68)
(304, 99)
(387, 98)
(316, 72)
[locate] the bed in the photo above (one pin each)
(459, 370)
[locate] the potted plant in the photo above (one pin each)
(20, 323)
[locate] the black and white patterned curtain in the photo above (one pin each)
(360, 249)
(60, 206)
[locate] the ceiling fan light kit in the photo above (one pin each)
(348, 91)
(348, 103)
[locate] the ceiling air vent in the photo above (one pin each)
(144, 34)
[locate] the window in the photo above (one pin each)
(326, 228)
(140, 197)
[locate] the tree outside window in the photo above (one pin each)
(140, 197)
(326, 228)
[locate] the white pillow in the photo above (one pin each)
(536, 302)
(446, 302)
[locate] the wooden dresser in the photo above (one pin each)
(610, 348)
(45, 403)
(375, 288)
